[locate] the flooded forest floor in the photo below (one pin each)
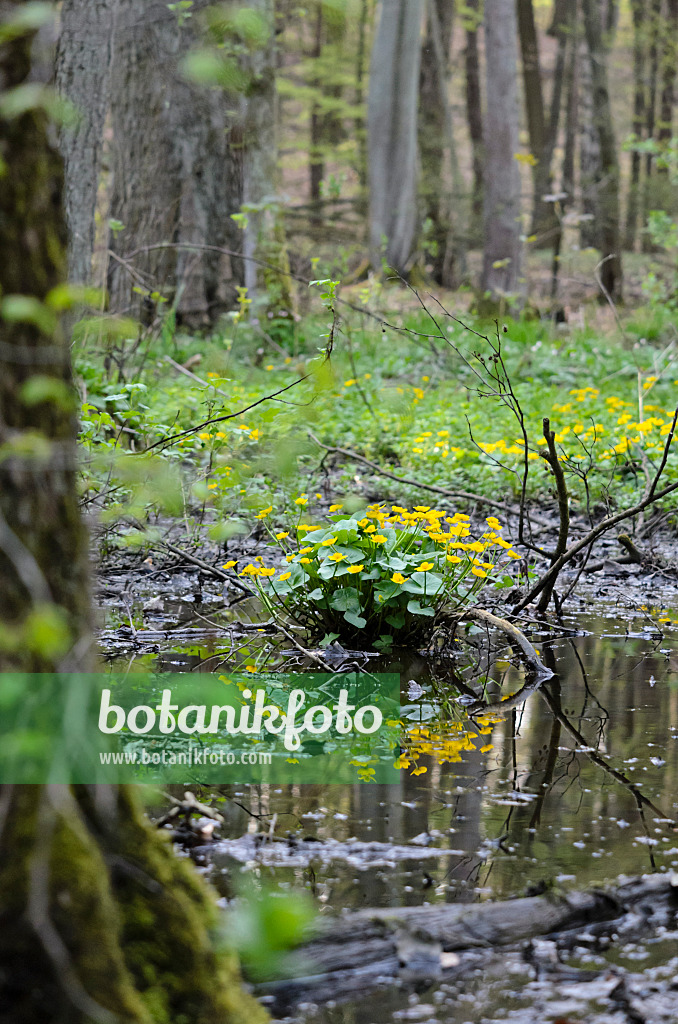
(563, 793)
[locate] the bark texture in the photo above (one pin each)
(43, 548)
(266, 264)
(83, 65)
(99, 922)
(392, 132)
(544, 223)
(442, 187)
(474, 117)
(608, 185)
(176, 169)
(501, 253)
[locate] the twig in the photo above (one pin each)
(167, 441)
(551, 457)
(206, 567)
(552, 573)
(408, 480)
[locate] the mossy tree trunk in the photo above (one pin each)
(99, 922)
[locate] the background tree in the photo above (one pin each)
(441, 186)
(83, 63)
(474, 117)
(608, 185)
(98, 919)
(501, 216)
(177, 176)
(392, 132)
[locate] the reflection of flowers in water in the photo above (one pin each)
(444, 741)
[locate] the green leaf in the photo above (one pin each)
(355, 620)
(414, 608)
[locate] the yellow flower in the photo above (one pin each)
(478, 572)
(290, 558)
(229, 565)
(285, 576)
(267, 572)
(204, 437)
(264, 512)
(349, 383)
(251, 668)
(425, 566)
(419, 771)
(512, 554)
(305, 551)
(281, 536)
(422, 508)
(493, 522)
(301, 501)
(336, 557)
(250, 570)
(453, 559)
(378, 538)
(355, 568)
(305, 561)
(328, 543)
(398, 577)
(335, 508)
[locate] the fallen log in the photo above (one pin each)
(351, 954)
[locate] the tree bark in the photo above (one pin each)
(264, 239)
(502, 230)
(633, 204)
(474, 117)
(43, 548)
(608, 187)
(99, 922)
(442, 203)
(654, 29)
(392, 132)
(544, 222)
(83, 65)
(176, 169)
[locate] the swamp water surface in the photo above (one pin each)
(569, 790)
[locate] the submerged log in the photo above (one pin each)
(361, 949)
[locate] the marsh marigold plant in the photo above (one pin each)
(380, 575)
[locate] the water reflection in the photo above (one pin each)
(577, 786)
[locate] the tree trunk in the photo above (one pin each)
(43, 548)
(544, 222)
(176, 170)
(474, 116)
(668, 67)
(654, 30)
(608, 189)
(392, 132)
(264, 241)
(502, 229)
(589, 153)
(436, 135)
(82, 77)
(99, 922)
(633, 205)
(326, 127)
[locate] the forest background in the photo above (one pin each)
(318, 256)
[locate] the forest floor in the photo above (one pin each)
(570, 789)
